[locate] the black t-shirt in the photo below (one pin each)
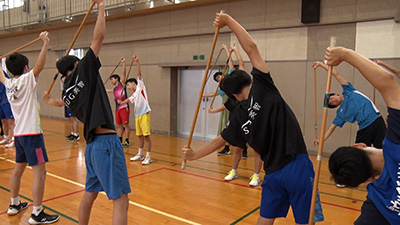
(267, 123)
(85, 94)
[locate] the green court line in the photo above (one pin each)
(246, 215)
(46, 207)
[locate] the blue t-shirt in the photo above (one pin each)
(221, 92)
(3, 95)
(385, 192)
(355, 107)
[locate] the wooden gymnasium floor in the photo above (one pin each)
(161, 193)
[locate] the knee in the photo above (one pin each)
(122, 202)
(238, 151)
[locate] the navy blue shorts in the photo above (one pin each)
(67, 112)
(5, 111)
(106, 167)
(291, 185)
(370, 215)
(30, 149)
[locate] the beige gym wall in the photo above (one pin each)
(172, 38)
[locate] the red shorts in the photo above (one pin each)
(122, 116)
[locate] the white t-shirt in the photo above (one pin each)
(139, 98)
(23, 97)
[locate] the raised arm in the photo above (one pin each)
(238, 57)
(3, 77)
(209, 95)
(230, 62)
(123, 78)
(389, 67)
(335, 74)
(139, 73)
(381, 79)
(245, 40)
(99, 29)
(41, 61)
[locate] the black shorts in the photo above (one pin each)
(370, 215)
(373, 134)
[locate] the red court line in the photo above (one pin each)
(242, 185)
(75, 192)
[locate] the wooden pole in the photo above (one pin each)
(321, 141)
(112, 72)
(374, 98)
(19, 48)
(201, 92)
(315, 104)
(73, 41)
(222, 77)
(215, 63)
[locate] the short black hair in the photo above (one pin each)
(130, 80)
(216, 75)
(16, 63)
(116, 76)
(235, 82)
(329, 97)
(350, 166)
(66, 63)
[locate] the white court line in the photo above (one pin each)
(130, 202)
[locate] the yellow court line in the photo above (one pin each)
(130, 202)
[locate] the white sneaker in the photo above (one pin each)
(4, 141)
(254, 181)
(147, 161)
(340, 185)
(137, 157)
(10, 144)
(231, 175)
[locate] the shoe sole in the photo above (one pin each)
(147, 163)
(13, 214)
(33, 222)
(10, 146)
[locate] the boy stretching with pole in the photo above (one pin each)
(269, 126)
(142, 114)
(29, 144)
(358, 164)
(85, 95)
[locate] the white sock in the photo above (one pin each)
(15, 201)
(37, 210)
(147, 154)
(12, 138)
(140, 151)
(6, 137)
(75, 134)
(256, 174)
(234, 170)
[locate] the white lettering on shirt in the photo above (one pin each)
(253, 112)
(75, 91)
(395, 204)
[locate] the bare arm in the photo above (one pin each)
(230, 62)
(216, 110)
(3, 77)
(335, 73)
(41, 61)
(139, 73)
(99, 29)
(245, 40)
(389, 67)
(124, 101)
(209, 95)
(381, 79)
(328, 133)
(109, 90)
(123, 78)
(238, 57)
(54, 102)
(207, 149)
